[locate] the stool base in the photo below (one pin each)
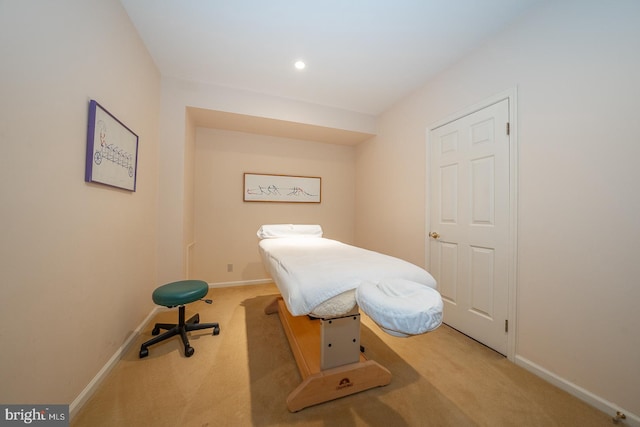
(181, 329)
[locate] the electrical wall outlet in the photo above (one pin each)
(229, 268)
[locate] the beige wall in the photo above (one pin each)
(225, 225)
(390, 177)
(174, 151)
(575, 65)
(77, 260)
(188, 239)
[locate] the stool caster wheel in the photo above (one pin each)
(196, 319)
(216, 330)
(144, 352)
(188, 351)
(155, 331)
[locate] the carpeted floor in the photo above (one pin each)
(243, 376)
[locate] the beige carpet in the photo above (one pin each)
(243, 376)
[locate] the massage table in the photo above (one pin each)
(323, 284)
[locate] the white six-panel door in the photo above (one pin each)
(469, 222)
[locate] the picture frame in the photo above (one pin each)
(112, 150)
(282, 188)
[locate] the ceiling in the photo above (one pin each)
(361, 55)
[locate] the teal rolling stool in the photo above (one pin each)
(177, 294)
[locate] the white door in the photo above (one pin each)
(469, 222)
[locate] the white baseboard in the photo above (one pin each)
(240, 283)
(597, 402)
(85, 394)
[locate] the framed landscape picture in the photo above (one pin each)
(282, 188)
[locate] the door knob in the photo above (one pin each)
(434, 234)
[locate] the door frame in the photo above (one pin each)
(511, 96)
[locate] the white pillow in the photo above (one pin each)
(274, 231)
(401, 307)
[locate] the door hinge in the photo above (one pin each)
(508, 128)
(506, 325)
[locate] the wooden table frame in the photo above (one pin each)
(322, 385)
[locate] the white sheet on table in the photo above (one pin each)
(309, 271)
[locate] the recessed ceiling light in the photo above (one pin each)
(300, 65)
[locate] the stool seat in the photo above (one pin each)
(180, 292)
